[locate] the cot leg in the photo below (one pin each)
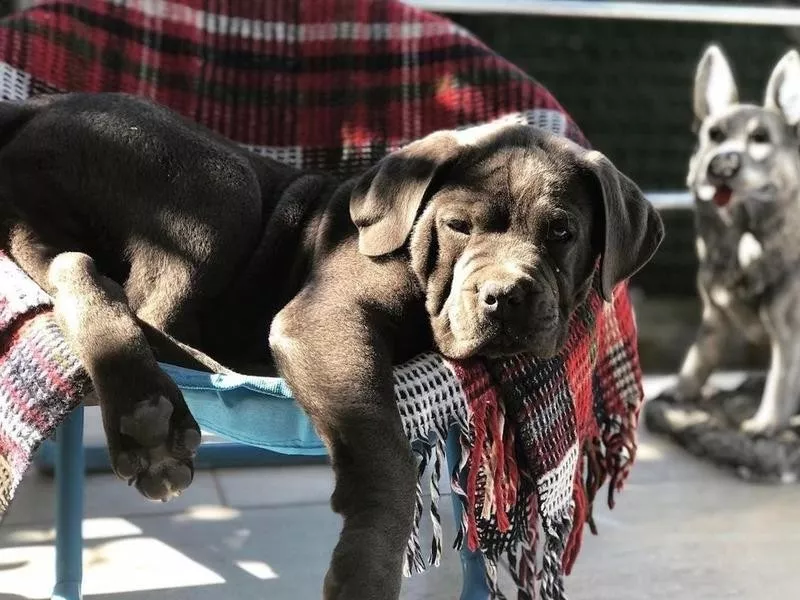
(69, 473)
(474, 586)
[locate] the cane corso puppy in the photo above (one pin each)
(473, 243)
(745, 177)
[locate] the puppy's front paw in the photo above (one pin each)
(154, 450)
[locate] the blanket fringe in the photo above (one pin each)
(436, 520)
(494, 486)
(533, 519)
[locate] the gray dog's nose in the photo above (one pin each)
(725, 165)
(500, 299)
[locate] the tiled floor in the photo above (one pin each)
(680, 530)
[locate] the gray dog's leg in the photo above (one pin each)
(704, 355)
(151, 435)
(781, 398)
(339, 370)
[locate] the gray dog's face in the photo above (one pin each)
(746, 154)
(506, 224)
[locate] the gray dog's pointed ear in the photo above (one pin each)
(783, 89)
(633, 227)
(386, 200)
(714, 85)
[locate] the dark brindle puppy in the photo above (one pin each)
(473, 243)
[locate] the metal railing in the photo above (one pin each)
(612, 9)
(664, 200)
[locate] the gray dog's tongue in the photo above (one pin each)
(722, 195)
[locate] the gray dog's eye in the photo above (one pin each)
(458, 225)
(558, 231)
(716, 135)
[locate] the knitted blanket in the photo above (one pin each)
(335, 85)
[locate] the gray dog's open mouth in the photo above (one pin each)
(722, 195)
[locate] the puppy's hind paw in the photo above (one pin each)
(156, 453)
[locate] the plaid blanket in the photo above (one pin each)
(335, 85)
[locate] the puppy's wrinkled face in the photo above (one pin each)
(503, 226)
(746, 154)
(506, 249)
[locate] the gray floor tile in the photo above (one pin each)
(276, 553)
(681, 529)
(276, 486)
(104, 496)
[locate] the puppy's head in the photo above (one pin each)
(745, 153)
(504, 225)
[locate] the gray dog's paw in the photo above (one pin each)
(758, 426)
(681, 393)
(159, 463)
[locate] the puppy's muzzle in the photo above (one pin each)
(724, 166)
(509, 302)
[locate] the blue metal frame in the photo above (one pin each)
(219, 455)
(69, 508)
(69, 460)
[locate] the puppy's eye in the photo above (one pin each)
(558, 231)
(458, 225)
(759, 136)
(716, 135)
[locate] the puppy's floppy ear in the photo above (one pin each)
(714, 85)
(633, 227)
(386, 200)
(783, 88)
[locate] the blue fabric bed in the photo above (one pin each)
(243, 409)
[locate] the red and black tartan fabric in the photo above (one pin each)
(335, 85)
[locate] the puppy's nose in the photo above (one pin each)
(725, 165)
(499, 300)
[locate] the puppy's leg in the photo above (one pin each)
(151, 435)
(704, 355)
(339, 369)
(161, 289)
(781, 398)
(169, 350)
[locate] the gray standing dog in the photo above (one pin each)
(745, 177)
(474, 243)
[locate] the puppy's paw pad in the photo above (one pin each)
(127, 465)
(166, 470)
(158, 448)
(149, 421)
(188, 442)
(165, 480)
